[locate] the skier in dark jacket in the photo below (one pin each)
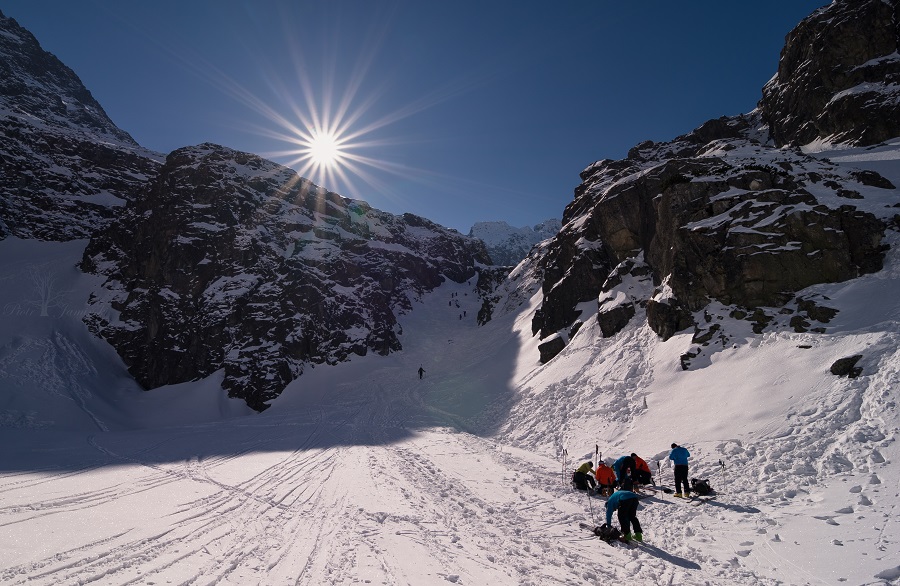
(626, 502)
(624, 468)
(679, 456)
(421, 372)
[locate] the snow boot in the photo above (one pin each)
(639, 536)
(627, 537)
(678, 495)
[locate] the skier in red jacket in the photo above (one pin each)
(642, 474)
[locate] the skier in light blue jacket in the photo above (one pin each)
(626, 502)
(679, 456)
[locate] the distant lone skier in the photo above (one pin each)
(421, 372)
(679, 456)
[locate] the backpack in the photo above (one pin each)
(607, 533)
(701, 487)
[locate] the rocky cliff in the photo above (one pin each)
(722, 217)
(64, 166)
(229, 261)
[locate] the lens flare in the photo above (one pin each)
(325, 150)
(333, 130)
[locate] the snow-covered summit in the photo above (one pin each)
(508, 245)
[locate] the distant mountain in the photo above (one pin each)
(735, 218)
(507, 245)
(64, 166)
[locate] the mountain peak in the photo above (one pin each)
(64, 165)
(37, 87)
(838, 77)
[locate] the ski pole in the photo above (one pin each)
(658, 475)
(591, 506)
(722, 464)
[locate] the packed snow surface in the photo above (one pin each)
(363, 473)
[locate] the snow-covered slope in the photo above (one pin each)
(461, 477)
(507, 245)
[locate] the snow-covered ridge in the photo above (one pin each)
(64, 166)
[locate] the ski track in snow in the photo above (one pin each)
(441, 506)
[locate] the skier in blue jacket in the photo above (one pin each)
(624, 468)
(679, 456)
(626, 502)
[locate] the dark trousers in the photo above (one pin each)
(628, 516)
(681, 477)
(642, 477)
(583, 481)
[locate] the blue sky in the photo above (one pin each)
(456, 111)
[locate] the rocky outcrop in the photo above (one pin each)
(838, 76)
(723, 216)
(232, 262)
(65, 168)
(708, 228)
(847, 366)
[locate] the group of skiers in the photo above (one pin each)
(618, 483)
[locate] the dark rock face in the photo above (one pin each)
(64, 166)
(709, 229)
(838, 76)
(232, 262)
(551, 348)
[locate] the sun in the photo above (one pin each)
(324, 150)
